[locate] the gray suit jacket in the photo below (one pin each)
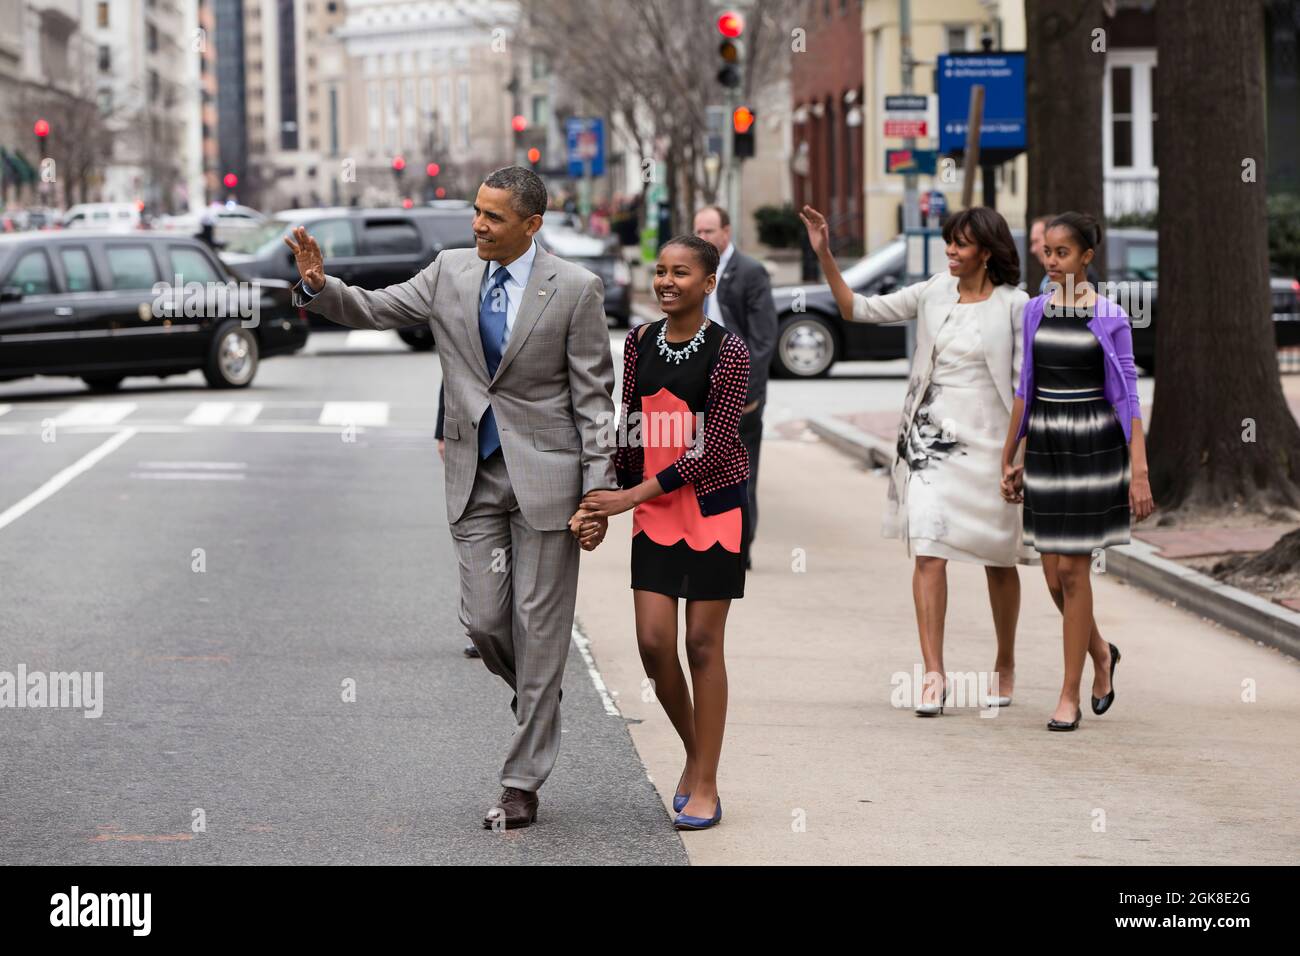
(551, 395)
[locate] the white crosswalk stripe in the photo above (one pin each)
(354, 413)
(5, 408)
(95, 413)
(224, 413)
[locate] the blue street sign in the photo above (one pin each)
(585, 140)
(1003, 78)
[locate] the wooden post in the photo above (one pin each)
(971, 161)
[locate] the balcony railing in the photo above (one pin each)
(1130, 195)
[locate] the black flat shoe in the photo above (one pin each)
(1062, 726)
(1102, 704)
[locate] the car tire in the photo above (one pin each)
(232, 357)
(103, 383)
(806, 347)
(417, 340)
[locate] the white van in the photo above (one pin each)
(102, 215)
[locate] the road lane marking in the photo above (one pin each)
(374, 339)
(189, 475)
(95, 413)
(584, 648)
(244, 414)
(354, 413)
(5, 408)
(84, 463)
(209, 413)
(177, 465)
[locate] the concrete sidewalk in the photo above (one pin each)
(818, 767)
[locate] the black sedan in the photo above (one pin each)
(103, 306)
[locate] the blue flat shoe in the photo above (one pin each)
(679, 801)
(686, 822)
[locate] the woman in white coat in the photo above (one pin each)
(955, 416)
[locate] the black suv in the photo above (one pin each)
(370, 248)
(103, 306)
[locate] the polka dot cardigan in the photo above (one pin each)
(719, 467)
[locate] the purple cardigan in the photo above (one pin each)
(1110, 325)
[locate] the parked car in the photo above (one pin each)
(370, 248)
(596, 256)
(103, 305)
(229, 221)
(813, 337)
(102, 215)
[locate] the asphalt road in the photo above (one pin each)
(325, 561)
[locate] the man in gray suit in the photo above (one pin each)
(528, 382)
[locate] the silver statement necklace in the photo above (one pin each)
(677, 355)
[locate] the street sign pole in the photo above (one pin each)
(911, 212)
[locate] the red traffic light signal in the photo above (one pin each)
(433, 169)
(742, 118)
(398, 163)
(534, 155)
(519, 123)
(731, 24)
(42, 128)
(230, 180)
(440, 193)
(407, 203)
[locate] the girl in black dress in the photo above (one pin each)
(683, 468)
(1085, 469)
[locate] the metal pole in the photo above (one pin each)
(728, 166)
(911, 206)
(970, 162)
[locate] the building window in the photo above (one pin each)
(1121, 117)
(374, 112)
(955, 39)
(541, 110)
(155, 85)
(101, 13)
(462, 112)
(1130, 177)
(105, 58)
(151, 38)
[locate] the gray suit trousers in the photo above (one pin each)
(518, 586)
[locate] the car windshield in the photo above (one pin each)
(862, 271)
(260, 240)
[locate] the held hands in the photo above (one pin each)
(1013, 483)
(819, 233)
(306, 255)
(589, 531)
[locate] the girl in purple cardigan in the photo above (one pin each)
(1084, 471)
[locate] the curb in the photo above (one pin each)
(1137, 563)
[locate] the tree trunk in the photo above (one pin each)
(1063, 99)
(1222, 436)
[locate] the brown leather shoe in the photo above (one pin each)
(516, 808)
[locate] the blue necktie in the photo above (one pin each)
(492, 329)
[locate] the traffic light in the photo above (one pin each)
(732, 51)
(534, 157)
(742, 132)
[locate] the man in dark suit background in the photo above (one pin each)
(742, 303)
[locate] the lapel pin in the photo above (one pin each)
(541, 292)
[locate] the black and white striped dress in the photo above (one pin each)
(1076, 459)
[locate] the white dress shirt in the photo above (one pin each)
(713, 308)
(519, 271)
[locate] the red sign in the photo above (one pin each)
(904, 128)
